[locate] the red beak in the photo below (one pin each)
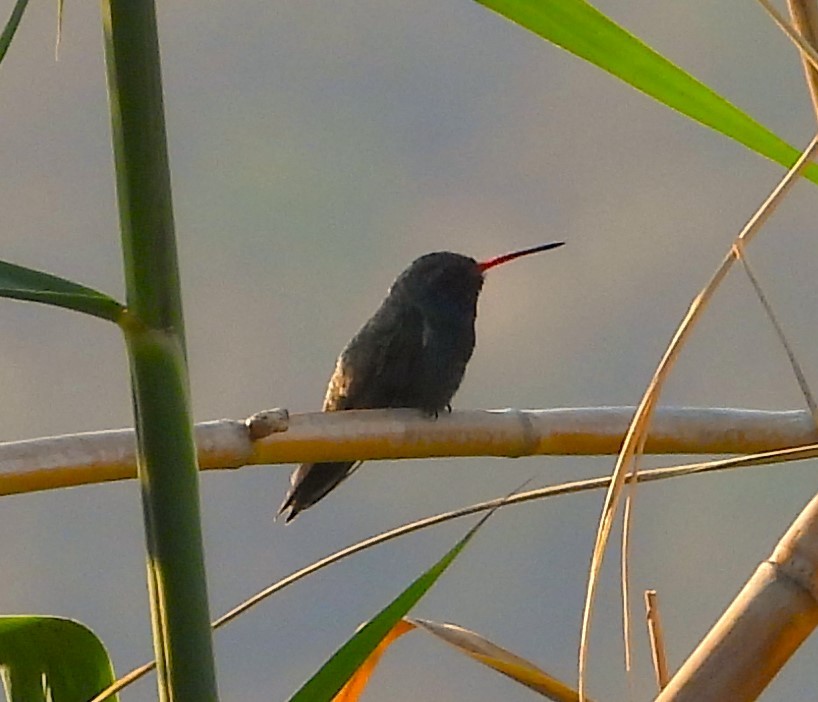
(505, 258)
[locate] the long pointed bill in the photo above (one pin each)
(505, 258)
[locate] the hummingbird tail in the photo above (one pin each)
(312, 481)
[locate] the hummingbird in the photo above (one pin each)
(411, 353)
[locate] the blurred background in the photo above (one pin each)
(317, 149)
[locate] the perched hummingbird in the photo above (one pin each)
(411, 353)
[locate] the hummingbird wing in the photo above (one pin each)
(378, 368)
(382, 365)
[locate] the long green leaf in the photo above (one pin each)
(332, 676)
(580, 28)
(52, 658)
(20, 283)
(11, 26)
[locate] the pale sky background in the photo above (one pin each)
(315, 152)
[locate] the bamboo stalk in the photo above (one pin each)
(762, 628)
(154, 335)
(95, 457)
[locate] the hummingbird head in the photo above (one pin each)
(448, 281)
(442, 281)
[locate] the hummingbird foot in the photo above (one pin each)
(435, 413)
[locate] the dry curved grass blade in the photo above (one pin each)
(799, 453)
(470, 644)
(625, 555)
(637, 431)
(500, 659)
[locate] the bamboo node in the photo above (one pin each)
(271, 421)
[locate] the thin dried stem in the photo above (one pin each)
(58, 37)
(805, 18)
(808, 53)
(804, 14)
(800, 377)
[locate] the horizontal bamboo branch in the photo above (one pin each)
(273, 437)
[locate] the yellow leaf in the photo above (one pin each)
(352, 691)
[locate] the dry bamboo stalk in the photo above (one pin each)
(94, 457)
(762, 628)
(656, 636)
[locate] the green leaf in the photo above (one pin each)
(580, 28)
(332, 676)
(11, 26)
(52, 658)
(19, 283)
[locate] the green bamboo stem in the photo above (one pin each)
(154, 333)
